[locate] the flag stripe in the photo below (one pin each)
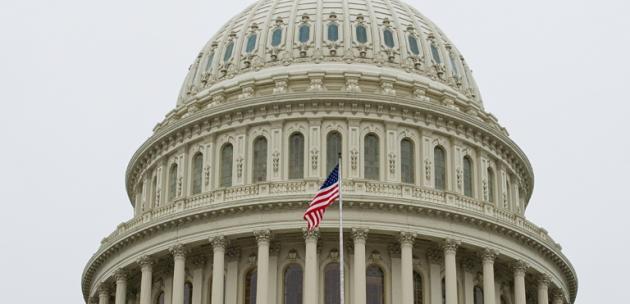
(325, 196)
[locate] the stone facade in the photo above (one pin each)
(219, 190)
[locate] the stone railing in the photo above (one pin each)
(355, 189)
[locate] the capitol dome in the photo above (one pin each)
(434, 189)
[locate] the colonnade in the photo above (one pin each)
(446, 254)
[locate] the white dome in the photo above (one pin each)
(387, 38)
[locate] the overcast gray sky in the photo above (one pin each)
(82, 84)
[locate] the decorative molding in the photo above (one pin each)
(435, 255)
(407, 238)
(520, 268)
(120, 275)
(218, 242)
(488, 255)
(360, 234)
(263, 236)
(145, 261)
(310, 235)
(450, 246)
(394, 250)
(178, 251)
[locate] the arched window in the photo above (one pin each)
(375, 285)
(418, 296)
(209, 62)
(388, 38)
(435, 53)
(228, 52)
(225, 174)
(439, 161)
(154, 191)
(361, 33)
(172, 182)
(468, 188)
(333, 32)
(188, 290)
(478, 295)
(333, 148)
(407, 174)
(160, 298)
(296, 156)
(491, 185)
(371, 157)
(413, 45)
(260, 159)
(250, 287)
(293, 284)
(305, 33)
(332, 293)
(276, 37)
(251, 43)
(197, 173)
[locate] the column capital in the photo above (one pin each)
(519, 268)
(435, 256)
(218, 242)
(198, 260)
(488, 255)
(178, 251)
(407, 238)
(263, 236)
(310, 235)
(544, 280)
(233, 253)
(103, 289)
(93, 300)
(394, 250)
(145, 260)
(450, 246)
(360, 234)
(120, 275)
(274, 249)
(558, 296)
(468, 264)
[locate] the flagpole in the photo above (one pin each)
(341, 278)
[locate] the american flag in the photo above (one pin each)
(325, 197)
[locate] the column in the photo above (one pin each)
(179, 273)
(263, 238)
(558, 297)
(146, 268)
(543, 289)
(274, 252)
(450, 270)
(103, 294)
(359, 235)
(435, 257)
(311, 291)
(406, 259)
(519, 282)
(231, 277)
(121, 286)
(468, 265)
(487, 259)
(198, 264)
(218, 266)
(394, 255)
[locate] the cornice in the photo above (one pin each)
(247, 206)
(201, 122)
